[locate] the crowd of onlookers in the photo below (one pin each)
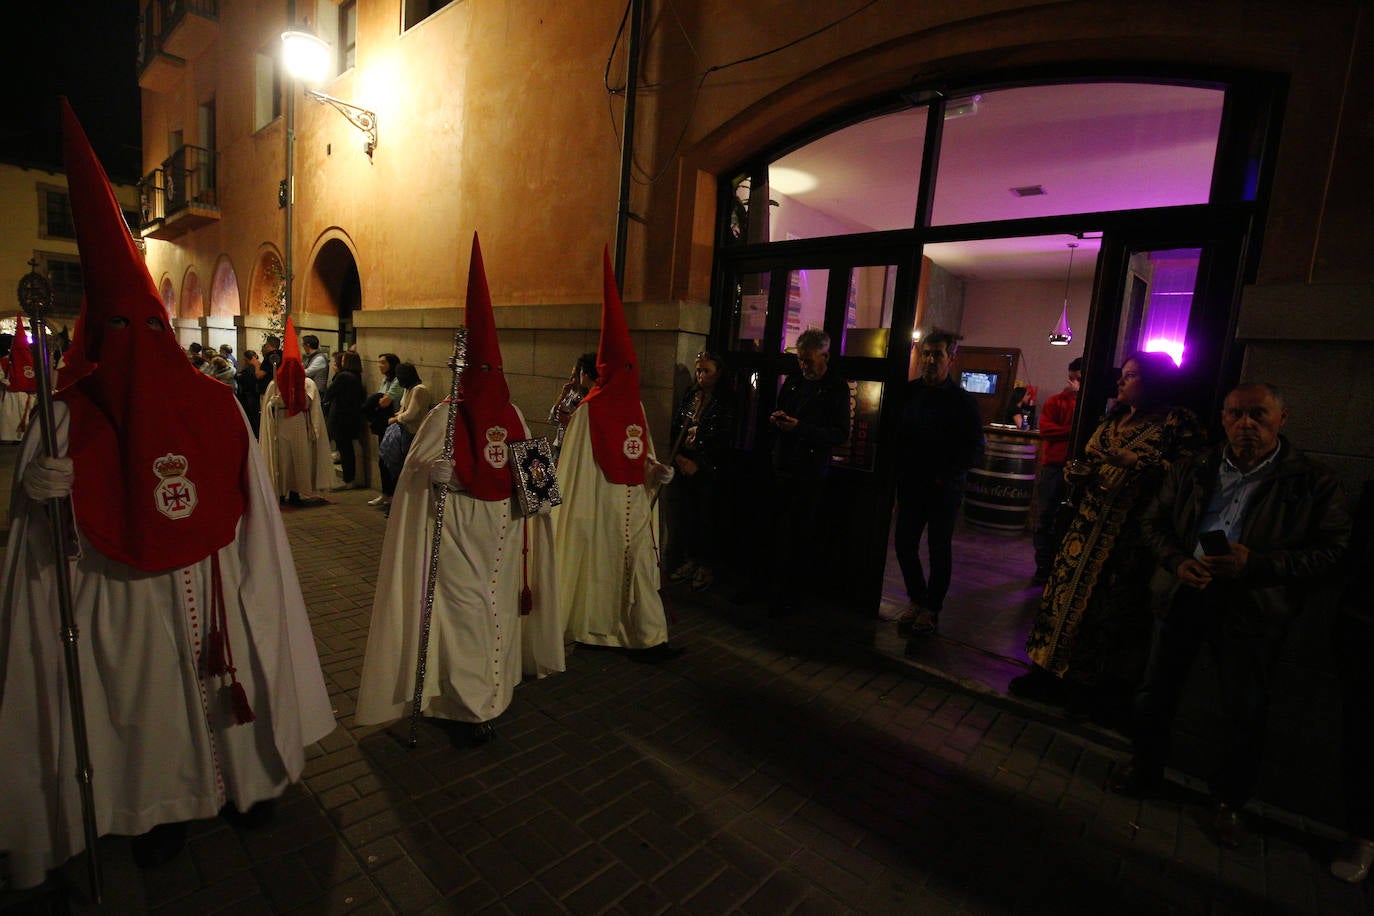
(1150, 542)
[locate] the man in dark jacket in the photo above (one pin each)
(1241, 533)
(940, 436)
(811, 419)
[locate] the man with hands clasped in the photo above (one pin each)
(1241, 533)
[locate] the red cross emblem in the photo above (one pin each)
(176, 497)
(496, 454)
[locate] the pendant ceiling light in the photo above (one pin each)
(1062, 333)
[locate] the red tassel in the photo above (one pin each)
(215, 663)
(238, 701)
(526, 600)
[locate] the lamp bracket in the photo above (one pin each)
(361, 118)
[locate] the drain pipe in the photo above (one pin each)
(627, 135)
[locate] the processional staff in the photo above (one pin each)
(35, 298)
(458, 363)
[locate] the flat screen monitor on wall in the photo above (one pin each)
(979, 382)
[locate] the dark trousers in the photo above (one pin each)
(388, 478)
(696, 517)
(1354, 648)
(1244, 651)
(1049, 493)
(794, 506)
(343, 441)
(930, 509)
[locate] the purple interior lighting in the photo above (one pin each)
(1172, 282)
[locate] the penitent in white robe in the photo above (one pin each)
(163, 746)
(608, 574)
(479, 643)
(16, 408)
(296, 449)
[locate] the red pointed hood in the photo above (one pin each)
(159, 447)
(290, 376)
(486, 420)
(615, 414)
(21, 372)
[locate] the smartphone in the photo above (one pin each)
(1214, 543)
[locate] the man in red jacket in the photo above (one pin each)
(1056, 425)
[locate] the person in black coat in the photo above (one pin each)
(810, 422)
(246, 389)
(345, 396)
(939, 438)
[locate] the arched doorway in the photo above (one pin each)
(333, 285)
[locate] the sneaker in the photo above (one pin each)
(703, 579)
(907, 619)
(684, 572)
(378, 501)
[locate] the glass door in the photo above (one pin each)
(863, 296)
(1166, 291)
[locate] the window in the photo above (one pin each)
(64, 273)
(1075, 148)
(416, 11)
(267, 91)
(55, 214)
(348, 35)
(825, 189)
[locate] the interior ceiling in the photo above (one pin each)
(1091, 147)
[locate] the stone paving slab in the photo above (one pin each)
(772, 769)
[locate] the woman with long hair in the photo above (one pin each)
(379, 409)
(1091, 637)
(416, 402)
(703, 429)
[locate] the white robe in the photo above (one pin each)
(607, 547)
(163, 746)
(296, 449)
(479, 644)
(15, 410)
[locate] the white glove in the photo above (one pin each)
(276, 402)
(48, 478)
(441, 472)
(661, 473)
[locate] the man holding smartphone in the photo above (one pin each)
(1242, 533)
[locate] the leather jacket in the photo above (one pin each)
(1296, 528)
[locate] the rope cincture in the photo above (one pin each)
(219, 654)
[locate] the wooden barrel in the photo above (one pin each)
(998, 494)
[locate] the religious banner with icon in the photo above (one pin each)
(536, 486)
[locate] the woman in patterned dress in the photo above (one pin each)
(1089, 642)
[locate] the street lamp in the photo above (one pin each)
(307, 60)
(305, 57)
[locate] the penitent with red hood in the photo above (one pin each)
(495, 617)
(201, 680)
(608, 574)
(294, 442)
(17, 377)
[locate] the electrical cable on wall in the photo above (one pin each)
(649, 178)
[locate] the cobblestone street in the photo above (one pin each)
(774, 768)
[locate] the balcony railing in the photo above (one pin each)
(152, 206)
(171, 32)
(188, 178)
(180, 196)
